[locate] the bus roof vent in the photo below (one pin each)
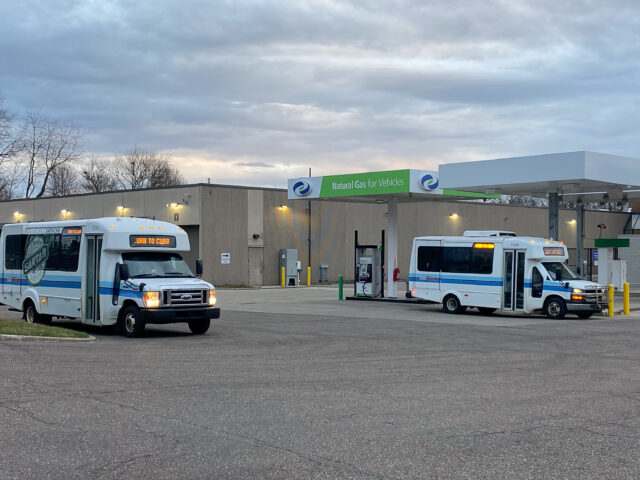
(488, 233)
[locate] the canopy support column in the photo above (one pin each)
(554, 206)
(392, 246)
(580, 239)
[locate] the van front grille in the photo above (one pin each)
(182, 298)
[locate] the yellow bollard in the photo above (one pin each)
(625, 298)
(282, 276)
(610, 301)
(308, 276)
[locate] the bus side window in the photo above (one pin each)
(14, 251)
(536, 283)
(429, 259)
(54, 254)
(69, 253)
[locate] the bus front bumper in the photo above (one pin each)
(176, 315)
(585, 307)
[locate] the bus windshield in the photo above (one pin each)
(156, 264)
(560, 271)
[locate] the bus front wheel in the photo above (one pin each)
(198, 327)
(31, 315)
(555, 308)
(451, 304)
(132, 323)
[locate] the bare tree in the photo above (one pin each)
(64, 180)
(8, 150)
(45, 144)
(98, 176)
(8, 144)
(141, 168)
(164, 175)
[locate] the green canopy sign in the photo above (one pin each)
(392, 182)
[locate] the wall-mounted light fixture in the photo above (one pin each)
(17, 215)
(283, 207)
(173, 205)
(453, 215)
(121, 210)
(64, 212)
(572, 221)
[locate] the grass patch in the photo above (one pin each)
(18, 327)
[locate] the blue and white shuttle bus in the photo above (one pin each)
(494, 270)
(117, 271)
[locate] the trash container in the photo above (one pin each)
(323, 273)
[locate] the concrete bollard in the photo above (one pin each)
(610, 301)
(625, 298)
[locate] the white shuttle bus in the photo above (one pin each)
(117, 271)
(493, 270)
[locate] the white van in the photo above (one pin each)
(117, 271)
(493, 270)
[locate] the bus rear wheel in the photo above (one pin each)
(198, 327)
(451, 304)
(132, 323)
(555, 308)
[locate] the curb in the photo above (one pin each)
(46, 339)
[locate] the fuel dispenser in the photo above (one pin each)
(369, 269)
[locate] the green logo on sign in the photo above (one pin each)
(35, 259)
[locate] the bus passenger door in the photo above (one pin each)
(91, 280)
(513, 283)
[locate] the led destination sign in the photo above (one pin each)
(553, 250)
(168, 241)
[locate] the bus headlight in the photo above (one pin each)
(151, 299)
(212, 297)
(576, 294)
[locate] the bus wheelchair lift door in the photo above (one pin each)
(513, 284)
(91, 280)
(429, 266)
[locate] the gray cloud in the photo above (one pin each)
(254, 164)
(232, 87)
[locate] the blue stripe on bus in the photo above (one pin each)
(122, 293)
(470, 280)
(43, 283)
(61, 281)
(491, 281)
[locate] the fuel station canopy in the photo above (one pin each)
(579, 176)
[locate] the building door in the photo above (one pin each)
(91, 280)
(513, 284)
(256, 266)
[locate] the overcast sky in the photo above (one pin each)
(255, 92)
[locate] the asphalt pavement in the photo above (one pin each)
(294, 384)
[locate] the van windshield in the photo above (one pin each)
(560, 271)
(156, 264)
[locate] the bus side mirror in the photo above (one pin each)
(199, 267)
(123, 270)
